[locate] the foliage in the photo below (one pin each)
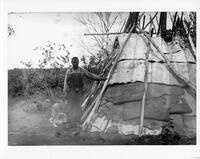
(93, 65)
(54, 55)
(34, 81)
(27, 64)
(193, 26)
(15, 84)
(11, 30)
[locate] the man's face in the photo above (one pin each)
(75, 63)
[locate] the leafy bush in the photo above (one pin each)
(31, 81)
(15, 82)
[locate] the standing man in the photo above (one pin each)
(73, 89)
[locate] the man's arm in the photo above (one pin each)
(92, 76)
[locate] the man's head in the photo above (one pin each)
(75, 62)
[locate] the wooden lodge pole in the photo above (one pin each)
(145, 91)
(150, 21)
(141, 16)
(153, 23)
(104, 33)
(174, 22)
(143, 22)
(171, 17)
(108, 78)
(182, 79)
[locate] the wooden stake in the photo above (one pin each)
(139, 19)
(86, 112)
(145, 91)
(157, 21)
(153, 22)
(150, 27)
(173, 25)
(108, 78)
(152, 32)
(90, 95)
(104, 33)
(143, 22)
(163, 22)
(150, 21)
(171, 17)
(182, 79)
(107, 123)
(125, 21)
(141, 16)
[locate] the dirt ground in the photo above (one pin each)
(30, 126)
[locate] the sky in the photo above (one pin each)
(35, 29)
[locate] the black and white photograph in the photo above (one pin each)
(101, 78)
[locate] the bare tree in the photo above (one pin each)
(100, 46)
